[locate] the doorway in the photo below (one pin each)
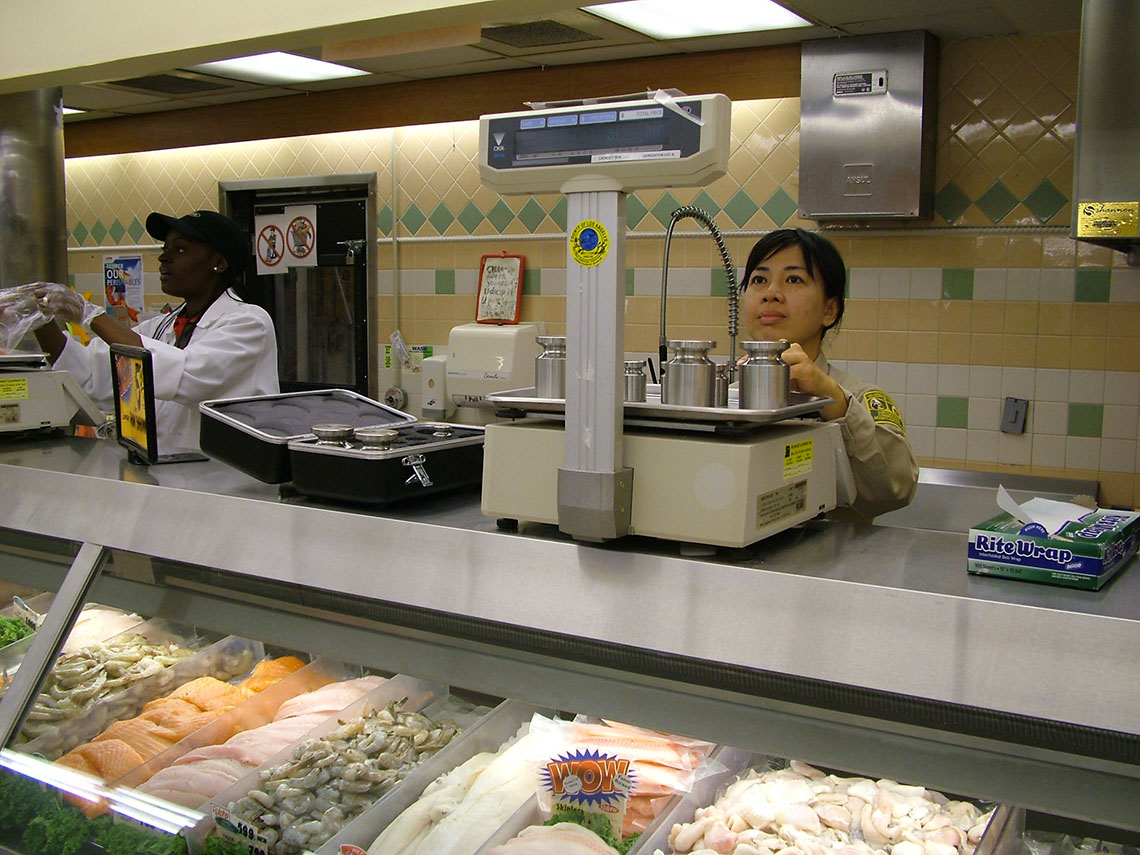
(324, 316)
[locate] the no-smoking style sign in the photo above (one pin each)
(270, 247)
(286, 239)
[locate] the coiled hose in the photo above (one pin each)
(702, 217)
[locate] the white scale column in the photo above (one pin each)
(594, 490)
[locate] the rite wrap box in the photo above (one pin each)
(253, 434)
(1085, 553)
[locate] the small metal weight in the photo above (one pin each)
(550, 367)
(688, 379)
(764, 377)
(635, 380)
(720, 395)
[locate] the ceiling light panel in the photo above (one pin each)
(277, 68)
(676, 19)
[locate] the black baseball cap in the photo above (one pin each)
(210, 227)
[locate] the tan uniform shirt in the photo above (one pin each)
(882, 460)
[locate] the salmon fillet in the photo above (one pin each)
(269, 671)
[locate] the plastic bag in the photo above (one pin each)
(20, 313)
(59, 302)
(627, 773)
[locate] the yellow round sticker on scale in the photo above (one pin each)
(589, 243)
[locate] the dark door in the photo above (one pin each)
(320, 313)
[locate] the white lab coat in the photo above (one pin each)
(232, 353)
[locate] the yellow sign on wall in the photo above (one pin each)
(1108, 219)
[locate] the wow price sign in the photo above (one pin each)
(590, 781)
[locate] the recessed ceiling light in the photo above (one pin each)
(676, 19)
(277, 67)
(67, 111)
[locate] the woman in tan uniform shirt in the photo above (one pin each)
(793, 289)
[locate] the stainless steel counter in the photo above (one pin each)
(882, 608)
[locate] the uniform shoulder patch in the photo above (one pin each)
(883, 409)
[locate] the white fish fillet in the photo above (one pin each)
(565, 838)
(328, 699)
(95, 624)
(406, 832)
(499, 790)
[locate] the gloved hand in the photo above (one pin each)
(64, 304)
(19, 315)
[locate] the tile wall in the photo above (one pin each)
(988, 299)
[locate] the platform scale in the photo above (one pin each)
(600, 468)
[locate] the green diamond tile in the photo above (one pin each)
(629, 282)
(470, 217)
(1086, 419)
(663, 210)
(532, 281)
(780, 207)
(384, 220)
(719, 286)
(413, 218)
(635, 211)
(532, 214)
(441, 218)
(953, 412)
(98, 231)
(136, 230)
(558, 213)
(741, 208)
(996, 202)
(958, 283)
(500, 215)
(445, 282)
(950, 202)
(117, 231)
(1093, 286)
(1045, 200)
(80, 233)
(707, 203)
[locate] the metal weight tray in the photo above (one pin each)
(425, 458)
(252, 434)
(653, 412)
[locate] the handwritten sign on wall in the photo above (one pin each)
(500, 289)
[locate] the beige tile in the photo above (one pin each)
(1090, 319)
(1124, 321)
(920, 347)
(956, 316)
(863, 315)
(894, 315)
(1025, 251)
(1019, 351)
(1117, 489)
(986, 349)
(925, 315)
(1089, 353)
(1055, 319)
(1054, 351)
(1091, 255)
(1058, 251)
(895, 252)
(987, 317)
(954, 348)
(868, 345)
(1122, 354)
(864, 252)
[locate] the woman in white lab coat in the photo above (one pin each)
(793, 289)
(216, 344)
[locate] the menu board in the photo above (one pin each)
(500, 289)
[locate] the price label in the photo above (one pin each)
(30, 617)
(231, 828)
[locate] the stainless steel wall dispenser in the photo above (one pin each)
(868, 107)
(1106, 176)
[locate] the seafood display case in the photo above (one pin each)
(862, 651)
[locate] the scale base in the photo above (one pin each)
(694, 488)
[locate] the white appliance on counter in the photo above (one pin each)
(35, 397)
(480, 359)
(596, 466)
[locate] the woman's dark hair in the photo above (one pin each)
(820, 255)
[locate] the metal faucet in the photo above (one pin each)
(701, 216)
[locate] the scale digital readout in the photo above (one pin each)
(648, 142)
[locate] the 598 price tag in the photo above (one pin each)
(230, 828)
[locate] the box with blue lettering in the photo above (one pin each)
(1083, 553)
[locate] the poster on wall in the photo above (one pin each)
(123, 287)
(286, 239)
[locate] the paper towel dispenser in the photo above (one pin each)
(1106, 173)
(868, 106)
